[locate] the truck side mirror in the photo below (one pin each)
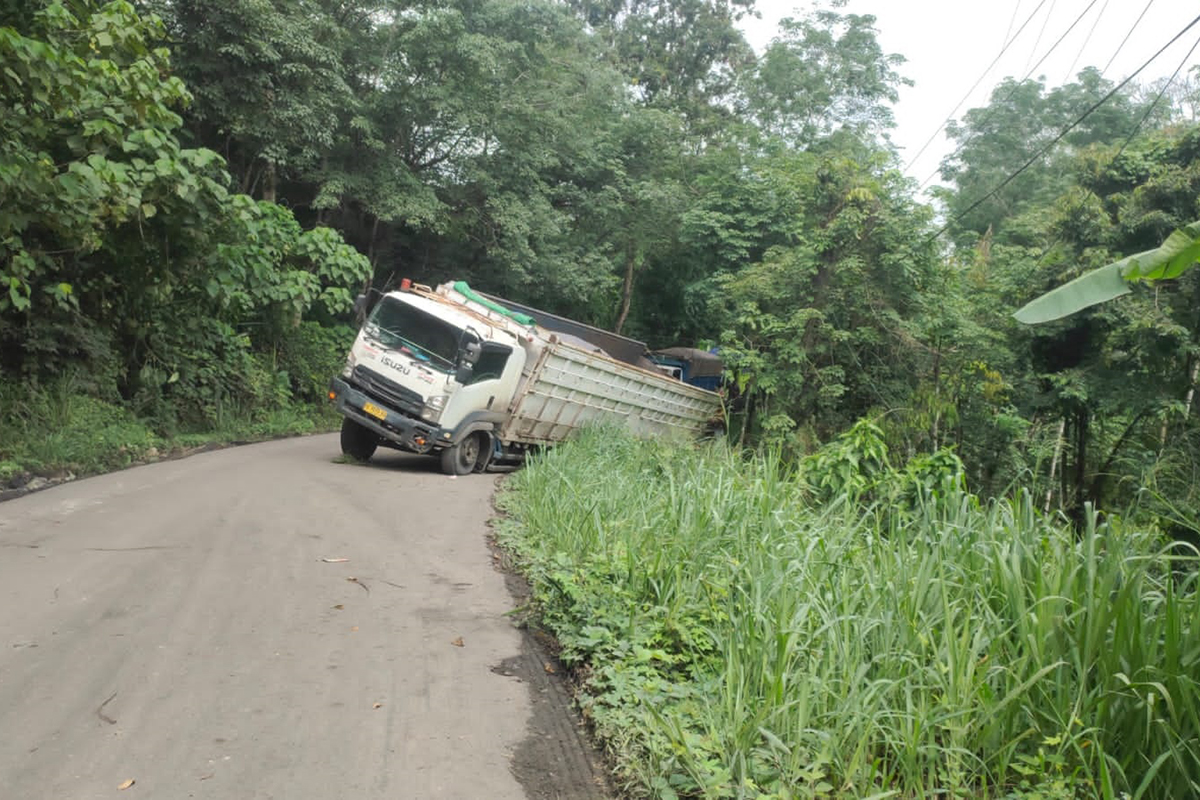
(468, 356)
(363, 303)
(471, 351)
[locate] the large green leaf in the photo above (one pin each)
(1097, 286)
(1178, 253)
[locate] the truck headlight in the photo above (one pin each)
(432, 410)
(351, 362)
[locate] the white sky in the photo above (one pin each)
(949, 44)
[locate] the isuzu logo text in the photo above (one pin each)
(403, 369)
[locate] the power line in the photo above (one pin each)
(1065, 131)
(1132, 28)
(1059, 41)
(1041, 33)
(1158, 97)
(1086, 40)
(992, 110)
(975, 85)
(1011, 21)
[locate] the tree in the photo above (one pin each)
(268, 82)
(121, 250)
(824, 73)
(819, 326)
(679, 55)
(1114, 378)
(1021, 120)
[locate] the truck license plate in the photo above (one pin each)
(374, 410)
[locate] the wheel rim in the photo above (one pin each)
(470, 451)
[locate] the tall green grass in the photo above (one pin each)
(739, 639)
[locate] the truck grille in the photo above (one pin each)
(388, 391)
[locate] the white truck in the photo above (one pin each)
(458, 375)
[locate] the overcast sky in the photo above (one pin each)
(949, 44)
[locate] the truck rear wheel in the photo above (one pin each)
(358, 442)
(463, 457)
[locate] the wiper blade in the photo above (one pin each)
(412, 347)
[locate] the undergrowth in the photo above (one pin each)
(58, 428)
(846, 628)
(207, 385)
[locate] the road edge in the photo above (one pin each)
(560, 758)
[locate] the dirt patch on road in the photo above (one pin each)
(558, 759)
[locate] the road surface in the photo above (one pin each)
(178, 625)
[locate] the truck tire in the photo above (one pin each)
(463, 457)
(358, 442)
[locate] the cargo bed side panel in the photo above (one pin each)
(570, 388)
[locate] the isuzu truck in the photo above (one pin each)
(458, 375)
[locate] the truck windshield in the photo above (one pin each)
(399, 326)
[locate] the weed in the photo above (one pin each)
(747, 631)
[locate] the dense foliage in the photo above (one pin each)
(130, 270)
(854, 627)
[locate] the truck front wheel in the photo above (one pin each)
(358, 442)
(462, 458)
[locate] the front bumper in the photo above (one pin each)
(400, 430)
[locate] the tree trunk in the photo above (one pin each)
(1191, 392)
(249, 180)
(746, 419)
(935, 423)
(268, 192)
(1187, 404)
(627, 288)
(371, 243)
(1082, 418)
(1058, 443)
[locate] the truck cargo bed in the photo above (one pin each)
(569, 388)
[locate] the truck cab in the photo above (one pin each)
(426, 376)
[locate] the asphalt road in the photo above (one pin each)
(176, 624)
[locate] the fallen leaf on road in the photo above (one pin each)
(339, 606)
(355, 628)
(458, 642)
(548, 668)
(127, 784)
(377, 705)
(335, 560)
(366, 588)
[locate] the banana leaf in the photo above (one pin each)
(1098, 286)
(1178, 253)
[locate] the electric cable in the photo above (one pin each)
(1011, 21)
(1041, 33)
(1059, 41)
(1154, 103)
(975, 85)
(1087, 39)
(992, 109)
(1065, 131)
(1129, 33)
